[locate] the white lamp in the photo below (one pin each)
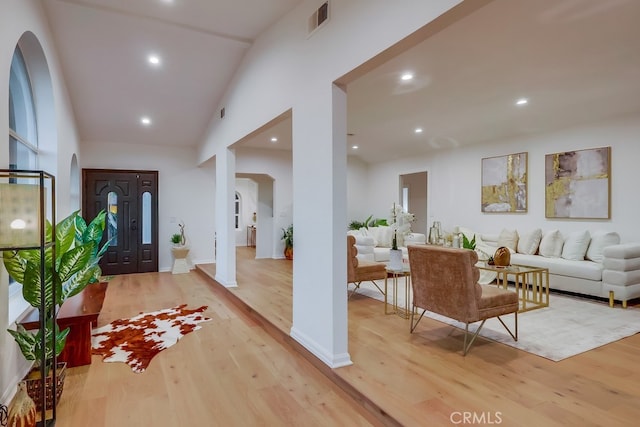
(19, 215)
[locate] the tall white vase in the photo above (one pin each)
(395, 259)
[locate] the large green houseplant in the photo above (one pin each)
(77, 253)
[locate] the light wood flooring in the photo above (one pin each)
(242, 369)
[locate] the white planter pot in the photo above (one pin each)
(395, 259)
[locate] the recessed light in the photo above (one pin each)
(145, 120)
(274, 139)
(418, 130)
(355, 147)
(522, 101)
(153, 59)
(406, 77)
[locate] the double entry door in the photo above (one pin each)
(130, 199)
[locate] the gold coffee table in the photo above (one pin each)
(531, 284)
(394, 275)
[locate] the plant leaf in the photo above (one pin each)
(26, 341)
(65, 237)
(74, 260)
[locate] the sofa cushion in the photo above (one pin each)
(551, 244)
(587, 270)
(383, 235)
(619, 264)
(600, 240)
(575, 246)
(528, 242)
(509, 239)
(623, 251)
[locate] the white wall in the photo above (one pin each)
(186, 192)
(287, 70)
(277, 165)
(17, 17)
(455, 180)
(357, 190)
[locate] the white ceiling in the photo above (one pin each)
(104, 44)
(576, 60)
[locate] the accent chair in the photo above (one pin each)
(359, 270)
(445, 281)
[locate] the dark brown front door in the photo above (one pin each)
(130, 199)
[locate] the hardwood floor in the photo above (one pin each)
(418, 379)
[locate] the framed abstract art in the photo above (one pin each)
(578, 184)
(504, 183)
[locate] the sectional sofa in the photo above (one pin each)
(591, 263)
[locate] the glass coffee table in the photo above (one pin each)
(395, 275)
(531, 283)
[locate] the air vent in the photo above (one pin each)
(319, 18)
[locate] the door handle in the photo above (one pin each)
(134, 225)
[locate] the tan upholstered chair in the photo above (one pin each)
(445, 281)
(359, 271)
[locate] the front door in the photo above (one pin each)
(130, 199)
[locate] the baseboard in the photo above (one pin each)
(331, 360)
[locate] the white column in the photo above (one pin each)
(265, 232)
(320, 223)
(225, 226)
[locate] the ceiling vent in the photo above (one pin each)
(319, 18)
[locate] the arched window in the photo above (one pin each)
(23, 145)
(23, 134)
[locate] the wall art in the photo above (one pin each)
(578, 184)
(504, 183)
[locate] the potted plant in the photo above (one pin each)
(77, 253)
(176, 239)
(287, 236)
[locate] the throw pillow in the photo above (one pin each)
(575, 246)
(509, 239)
(600, 240)
(385, 235)
(528, 242)
(551, 244)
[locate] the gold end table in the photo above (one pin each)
(394, 275)
(531, 283)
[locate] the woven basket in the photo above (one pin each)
(34, 387)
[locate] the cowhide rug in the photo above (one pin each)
(137, 340)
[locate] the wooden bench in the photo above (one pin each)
(80, 314)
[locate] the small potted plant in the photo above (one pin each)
(287, 236)
(180, 251)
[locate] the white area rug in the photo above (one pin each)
(569, 326)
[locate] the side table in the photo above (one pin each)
(394, 275)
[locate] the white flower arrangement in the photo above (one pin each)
(400, 222)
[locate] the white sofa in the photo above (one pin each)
(588, 263)
(374, 243)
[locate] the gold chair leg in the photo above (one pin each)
(357, 285)
(514, 336)
(624, 303)
(412, 325)
(376, 285)
(465, 347)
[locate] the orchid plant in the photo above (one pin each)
(401, 223)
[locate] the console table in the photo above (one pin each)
(79, 313)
